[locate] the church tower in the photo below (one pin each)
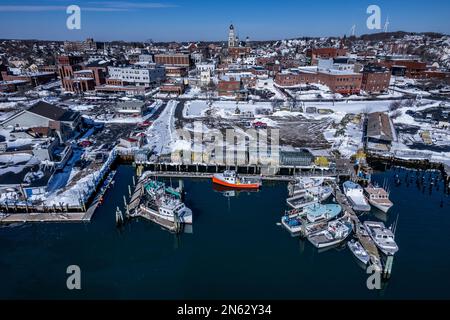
(231, 37)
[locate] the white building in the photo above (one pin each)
(141, 75)
(205, 66)
(145, 58)
(328, 64)
(232, 39)
(205, 77)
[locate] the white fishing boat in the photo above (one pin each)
(164, 203)
(358, 251)
(312, 215)
(292, 223)
(169, 209)
(301, 200)
(379, 198)
(335, 232)
(355, 195)
(383, 237)
(312, 186)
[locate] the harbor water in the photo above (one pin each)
(237, 250)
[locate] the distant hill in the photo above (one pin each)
(396, 35)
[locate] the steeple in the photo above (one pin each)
(231, 37)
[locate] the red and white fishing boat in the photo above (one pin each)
(232, 180)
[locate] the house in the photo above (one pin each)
(65, 123)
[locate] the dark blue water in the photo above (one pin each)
(236, 250)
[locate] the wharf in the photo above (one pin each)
(203, 175)
(42, 217)
(365, 241)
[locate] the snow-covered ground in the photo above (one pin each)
(161, 134)
(223, 109)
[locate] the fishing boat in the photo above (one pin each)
(317, 212)
(334, 233)
(313, 215)
(169, 209)
(292, 223)
(378, 197)
(301, 200)
(313, 186)
(231, 179)
(156, 188)
(163, 204)
(358, 251)
(382, 236)
(355, 195)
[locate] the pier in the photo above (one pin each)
(365, 241)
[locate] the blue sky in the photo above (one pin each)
(192, 20)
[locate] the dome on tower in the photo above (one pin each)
(231, 27)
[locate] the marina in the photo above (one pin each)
(257, 244)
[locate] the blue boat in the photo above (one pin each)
(316, 213)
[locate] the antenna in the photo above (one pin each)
(386, 25)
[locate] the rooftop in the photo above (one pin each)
(52, 112)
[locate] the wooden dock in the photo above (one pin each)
(203, 175)
(365, 241)
(42, 217)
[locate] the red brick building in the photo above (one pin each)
(176, 72)
(239, 52)
(230, 87)
(77, 77)
(174, 59)
(341, 82)
(375, 79)
(172, 88)
(338, 81)
(408, 68)
(32, 78)
(67, 65)
(324, 53)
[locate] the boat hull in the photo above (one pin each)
(363, 258)
(380, 206)
(185, 218)
(236, 186)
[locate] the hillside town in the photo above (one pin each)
(68, 108)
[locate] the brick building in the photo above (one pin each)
(67, 66)
(32, 78)
(174, 59)
(172, 88)
(375, 79)
(239, 52)
(230, 86)
(339, 81)
(324, 53)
